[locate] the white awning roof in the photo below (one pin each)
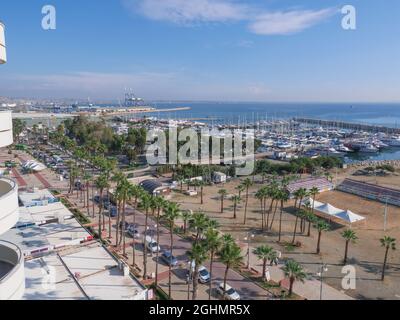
(349, 216)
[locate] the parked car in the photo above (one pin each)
(121, 224)
(229, 293)
(96, 199)
(204, 275)
(151, 244)
(112, 212)
(169, 259)
(133, 232)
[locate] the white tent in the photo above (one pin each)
(349, 216)
(310, 201)
(328, 209)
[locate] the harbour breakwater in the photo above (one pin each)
(348, 125)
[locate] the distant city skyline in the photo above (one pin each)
(203, 50)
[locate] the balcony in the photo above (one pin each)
(6, 133)
(9, 213)
(12, 276)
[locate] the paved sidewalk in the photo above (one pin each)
(309, 290)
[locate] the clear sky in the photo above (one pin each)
(236, 50)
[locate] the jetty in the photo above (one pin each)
(348, 125)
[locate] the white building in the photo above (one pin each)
(12, 275)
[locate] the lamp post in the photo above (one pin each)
(323, 268)
(248, 238)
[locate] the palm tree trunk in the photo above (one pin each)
(211, 270)
(384, 264)
(118, 220)
(195, 282)
(295, 229)
(134, 244)
(201, 195)
(171, 231)
(264, 269)
(245, 207)
(291, 286)
(280, 222)
(319, 242)
(345, 252)
(158, 241)
(273, 216)
(145, 247)
(123, 227)
(225, 277)
(234, 210)
(100, 209)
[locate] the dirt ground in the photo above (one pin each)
(366, 255)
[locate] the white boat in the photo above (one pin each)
(368, 148)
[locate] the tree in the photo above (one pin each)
(199, 222)
(160, 204)
(172, 212)
(186, 216)
(240, 188)
(313, 193)
(283, 198)
(101, 184)
(213, 242)
(263, 253)
(388, 243)
(146, 203)
(247, 183)
(197, 255)
(294, 272)
(321, 226)
(236, 200)
(222, 194)
(230, 254)
(201, 184)
(349, 236)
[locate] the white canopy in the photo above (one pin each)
(328, 209)
(349, 216)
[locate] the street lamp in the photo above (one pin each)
(323, 268)
(248, 238)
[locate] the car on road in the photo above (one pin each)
(96, 199)
(133, 231)
(112, 211)
(169, 259)
(204, 275)
(121, 225)
(151, 244)
(229, 293)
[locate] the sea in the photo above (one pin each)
(382, 114)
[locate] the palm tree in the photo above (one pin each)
(137, 192)
(283, 197)
(101, 184)
(172, 212)
(201, 184)
(197, 255)
(231, 255)
(298, 214)
(222, 194)
(388, 243)
(87, 178)
(350, 236)
(240, 188)
(294, 272)
(199, 222)
(186, 216)
(263, 253)
(146, 203)
(160, 203)
(247, 183)
(214, 242)
(236, 200)
(321, 226)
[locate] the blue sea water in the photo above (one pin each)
(378, 114)
(227, 112)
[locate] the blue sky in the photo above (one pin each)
(235, 50)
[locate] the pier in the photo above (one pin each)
(348, 125)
